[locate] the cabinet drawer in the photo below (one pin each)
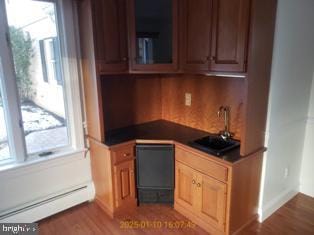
(122, 154)
(205, 166)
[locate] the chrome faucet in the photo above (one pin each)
(225, 134)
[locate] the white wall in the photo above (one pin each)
(292, 72)
(307, 169)
(29, 185)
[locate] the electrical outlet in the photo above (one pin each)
(286, 173)
(188, 99)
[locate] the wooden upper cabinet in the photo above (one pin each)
(230, 35)
(213, 35)
(196, 34)
(111, 52)
(153, 35)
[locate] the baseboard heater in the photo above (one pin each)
(155, 173)
(40, 203)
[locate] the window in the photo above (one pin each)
(39, 117)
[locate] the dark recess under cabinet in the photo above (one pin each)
(155, 173)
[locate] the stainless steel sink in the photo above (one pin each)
(215, 144)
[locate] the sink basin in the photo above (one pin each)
(215, 144)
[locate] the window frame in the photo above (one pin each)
(70, 71)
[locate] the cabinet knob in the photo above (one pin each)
(126, 154)
(124, 58)
(198, 185)
(193, 181)
(210, 58)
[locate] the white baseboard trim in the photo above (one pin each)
(52, 206)
(276, 203)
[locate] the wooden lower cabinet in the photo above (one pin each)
(113, 176)
(201, 195)
(185, 186)
(219, 196)
(124, 183)
(211, 200)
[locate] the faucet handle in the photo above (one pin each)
(226, 135)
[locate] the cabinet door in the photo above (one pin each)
(185, 186)
(110, 35)
(153, 35)
(211, 201)
(230, 35)
(196, 35)
(124, 183)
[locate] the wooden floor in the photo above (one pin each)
(295, 217)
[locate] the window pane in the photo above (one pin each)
(4, 146)
(36, 53)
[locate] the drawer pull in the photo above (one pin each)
(126, 154)
(193, 182)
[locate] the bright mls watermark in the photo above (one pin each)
(18, 228)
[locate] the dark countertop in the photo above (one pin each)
(163, 130)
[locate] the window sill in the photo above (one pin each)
(65, 155)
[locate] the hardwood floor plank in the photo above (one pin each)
(296, 217)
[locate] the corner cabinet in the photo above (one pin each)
(110, 36)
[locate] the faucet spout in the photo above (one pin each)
(225, 110)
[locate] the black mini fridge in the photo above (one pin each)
(155, 173)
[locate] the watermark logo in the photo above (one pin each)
(19, 228)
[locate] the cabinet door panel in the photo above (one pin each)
(196, 26)
(110, 35)
(153, 35)
(185, 186)
(124, 182)
(230, 35)
(212, 201)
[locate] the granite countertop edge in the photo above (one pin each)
(162, 130)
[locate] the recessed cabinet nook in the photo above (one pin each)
(156, 73)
